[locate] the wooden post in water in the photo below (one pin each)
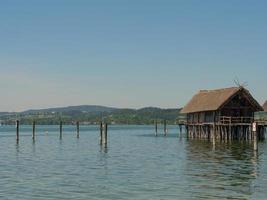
(181, 129)
(165, 128)
(156, 127)
(33, 130)
(255, 138)
(17, 131)
(101, 133)
(214, 131)
(78, 129)
(255, 141)
(60, 130)
(214, 135)
(105, 135)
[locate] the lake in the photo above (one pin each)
(135, 165)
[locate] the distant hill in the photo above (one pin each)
(7, 113)
(92, 114)
(82, 108)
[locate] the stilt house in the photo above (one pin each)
(227, 112)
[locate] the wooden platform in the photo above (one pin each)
(227, 128)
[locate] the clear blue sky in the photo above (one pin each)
(128, 53)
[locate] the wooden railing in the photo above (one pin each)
(225, 120)
(182, 121)
(262, 122)
(235, 120)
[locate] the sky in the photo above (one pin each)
(124, 53)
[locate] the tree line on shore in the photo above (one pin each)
(93, 115)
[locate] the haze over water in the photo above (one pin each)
(136, 165)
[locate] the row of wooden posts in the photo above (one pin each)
(103, 137)
(103, 130)
(165, 130)
(234, 133)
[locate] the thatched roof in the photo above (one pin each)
(211, 100)
(265, 106)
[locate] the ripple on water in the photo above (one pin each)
(136, 165)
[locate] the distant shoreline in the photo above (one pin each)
(93, 115)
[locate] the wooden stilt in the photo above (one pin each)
(255, 141)
(181, 129)
(165, 128)
(17, 130)
(156, 127)
(255, 130)
(101, 133)
(213, 134)
(33, 130)
(78, 129)
(60, 130)
(106, 135)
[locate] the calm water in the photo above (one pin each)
(136, 165)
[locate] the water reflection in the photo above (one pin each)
(103, 148)
(226, 172)
(17, 147)
(135, 165)
(33, 147)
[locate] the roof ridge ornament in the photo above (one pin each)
(239, 84)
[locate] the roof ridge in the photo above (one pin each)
(215, 90)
